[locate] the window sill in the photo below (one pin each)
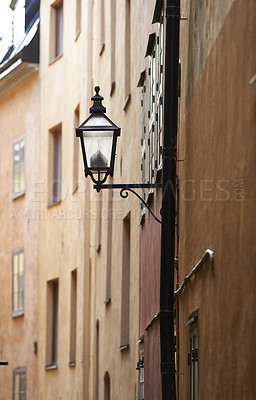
(107, 301)
(17, 195)
(72, 364)
(124, 347)
(75, 188)
(53, 61)
(102, 49)
(112, 90)
(50, 205)
(50, 367)
(127, 101)
(77, 34)
(16, 314)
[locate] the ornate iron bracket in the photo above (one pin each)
(125, 188)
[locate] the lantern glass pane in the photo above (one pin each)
(98, 147)
(98, 120)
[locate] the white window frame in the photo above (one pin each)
(159, 94)
(21, 393)
(151, 115)
(19, 176)
(143, 139)
(18, 269)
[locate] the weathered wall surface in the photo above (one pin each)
(217, 205)
(19, 112)
(64, 226)
(198, 34)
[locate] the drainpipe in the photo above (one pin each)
(167, 340)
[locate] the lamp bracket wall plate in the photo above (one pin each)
(125, 188)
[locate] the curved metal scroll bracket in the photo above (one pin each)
(124, 194)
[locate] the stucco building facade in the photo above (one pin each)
(114, 249)
(216, 197)
(19, 130)
(80, 269)
(64, 220)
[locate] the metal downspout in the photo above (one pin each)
(167, 341)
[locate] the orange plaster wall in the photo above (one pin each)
(217, 140)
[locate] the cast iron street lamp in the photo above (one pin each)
(98, 137)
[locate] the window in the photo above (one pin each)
(97, 361)
(19, 167)
(19, 384)
(152, 156)
(127, 47)
(109, 246)
(18, 282)
(56, 35)
(159, 94)
(143, 139)
(193, 358)
(141, 372)
(73, 315)
(78, 17)
(113, 46)
(76, 151)
(151, 115)
(102, 26)
(107, 386)
(52, 324)
(125, 301)
(98, 230)
(54, 177)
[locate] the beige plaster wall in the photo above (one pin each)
(64, 226)
(119, 364)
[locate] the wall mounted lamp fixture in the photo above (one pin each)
(98, 137)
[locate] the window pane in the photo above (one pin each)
(15, 291)
(23, 383)
(19, 166)
(16, 383)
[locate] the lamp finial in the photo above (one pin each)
(97, 102)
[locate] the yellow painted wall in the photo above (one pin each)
(19, 115)
(64, 226)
